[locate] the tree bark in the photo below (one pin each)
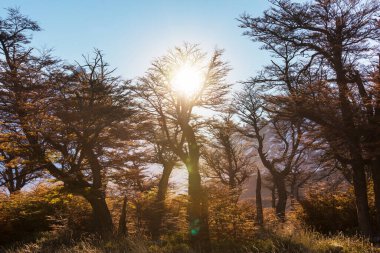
(375, 170)
(158, 209)
(101, 214)
(259, 204)
(361, 198)
(122, 229)
(273, 191)
(96, 196)
(198, 211)
(282, 197)
(198, 202)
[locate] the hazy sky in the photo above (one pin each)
(132, 33)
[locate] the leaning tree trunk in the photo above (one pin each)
(282, 197)
(101, 214)
(259, 204)
(122, 229)
(158, 209)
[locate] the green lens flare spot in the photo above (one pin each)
(195, 227)
(194, 231)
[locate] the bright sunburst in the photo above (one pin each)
(187, 80)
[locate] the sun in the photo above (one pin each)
(187, 80)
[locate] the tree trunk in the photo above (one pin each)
(259, 204)
(273, 190)
(353, 142)
(101, 214)
(294, 192)
(123, 230)
(297, 193)
(375, 170)
(198, 208)
(198, 202)
(361, 198)
(282, 197)
(158, 209)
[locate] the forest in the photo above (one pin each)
(287, 160)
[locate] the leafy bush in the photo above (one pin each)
(331, 212)
(230, 220)
(24, 214)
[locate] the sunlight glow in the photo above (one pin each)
(187, 80)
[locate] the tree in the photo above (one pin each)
(173, 111)
(132, 181)
(16, 167)
(268, 183)
(84, 126)
(259, 204)
(335, 37)
(373, 135)
(69, 118)
(228, 161)
(168, 160)
(319, 166)
(278, 142)
(20, 74)
(227, 158)
(129, 179)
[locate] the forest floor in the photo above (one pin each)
(280, 240)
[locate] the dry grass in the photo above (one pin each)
(265, 241)
(276, 237)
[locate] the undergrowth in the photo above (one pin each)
(263, 240)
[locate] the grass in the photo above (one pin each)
(263, 241)
(275, 237)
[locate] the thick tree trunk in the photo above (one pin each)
(122, 229)
(359, 178)
(375, 170)
(361, 198)
(198, 211)
(158, 209)
(282, 197)
(198, 202)
(101, 214)
(259, 204)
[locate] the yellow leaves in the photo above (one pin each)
(53, 156)
(54, 201)
(14, 162)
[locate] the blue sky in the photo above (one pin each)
(133, 33)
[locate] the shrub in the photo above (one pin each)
(45, 208)
(230, 220)
(331, 212)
